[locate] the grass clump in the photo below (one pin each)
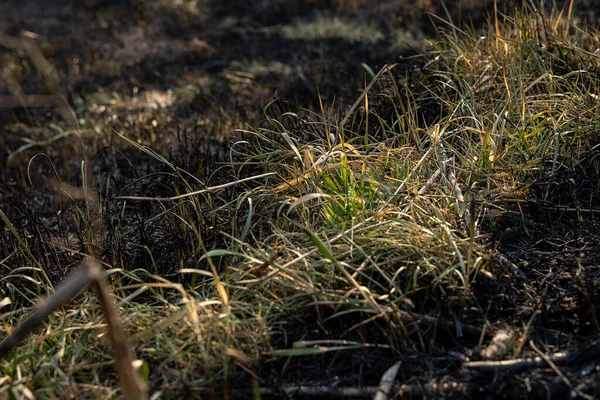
(523, 94)
(365, 224)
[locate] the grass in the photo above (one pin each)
(327, 28)
(367, 222)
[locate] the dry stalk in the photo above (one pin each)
(460, 205)
(89, 272)
(210, 189)
(430, 182)
(519, 364)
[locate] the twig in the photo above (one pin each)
(89, 272)
(500, 345)
(463, 210)
(434, 178)
(366, 392)
(572, 209)
(519, 364)
(553, 361)
(190, 194)
(460, 205)
(589, 383)
(431, 389)
(552, 365)
(505, 262)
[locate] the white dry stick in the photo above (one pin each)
(458, 195)
(430, 182)
(502, 342)
(518, 365)
(460, 199)
(434, 178)
(387, 381)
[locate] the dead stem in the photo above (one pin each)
(89, 272)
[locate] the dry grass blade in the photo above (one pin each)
(210, 189)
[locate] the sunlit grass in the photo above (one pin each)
(357, 221)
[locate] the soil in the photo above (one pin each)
(183, 76)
